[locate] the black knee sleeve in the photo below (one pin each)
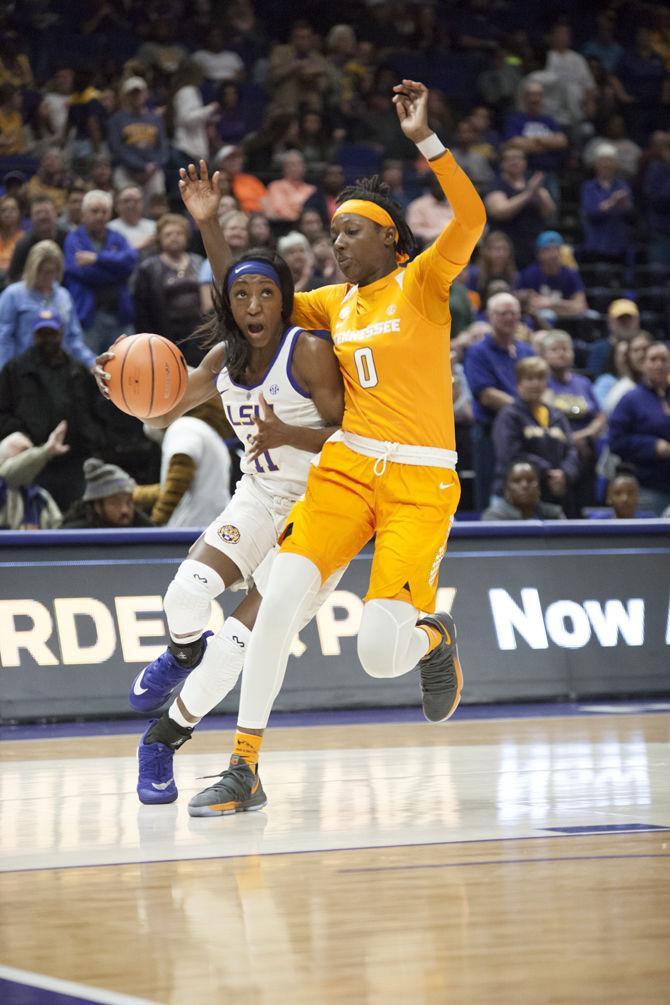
(187, 654)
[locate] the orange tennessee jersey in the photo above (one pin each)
(391, 338)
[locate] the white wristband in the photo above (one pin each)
(431, 147)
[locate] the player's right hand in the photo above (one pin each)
(200, 193)
(101, 376)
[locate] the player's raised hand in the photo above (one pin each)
(200, 193)
(272, 432)
(411, 103)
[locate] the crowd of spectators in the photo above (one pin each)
(559, 324)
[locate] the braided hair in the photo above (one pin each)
(375, 190)
(220, 325)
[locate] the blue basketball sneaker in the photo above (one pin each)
(155, 782)
(154, 685)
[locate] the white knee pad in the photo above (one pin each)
(217, 673)
(188, 601)
(386, 639)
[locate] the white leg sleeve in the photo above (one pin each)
(293, 584)
(389, 643)
(216, 674)
(188, 601)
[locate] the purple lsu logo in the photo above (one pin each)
(242, 415)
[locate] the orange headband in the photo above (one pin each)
(371, 211)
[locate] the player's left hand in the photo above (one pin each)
(272, 432)
(411, 104)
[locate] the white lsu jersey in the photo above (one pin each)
(281, 470)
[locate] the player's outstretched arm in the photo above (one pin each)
(316, 370)
(200, 387)
(458, 240)
(201, 195)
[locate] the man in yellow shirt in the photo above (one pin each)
(390, 471)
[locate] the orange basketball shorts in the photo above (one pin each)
(409, 508)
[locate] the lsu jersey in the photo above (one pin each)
(282, 470)
(391, 337)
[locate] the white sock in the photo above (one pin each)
(216, 674)
(293, 584)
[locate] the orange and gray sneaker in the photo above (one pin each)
(238, 790)
(441, 675)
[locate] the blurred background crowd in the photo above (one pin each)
(560, 114)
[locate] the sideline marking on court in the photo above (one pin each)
(83, 992)
(497, 861)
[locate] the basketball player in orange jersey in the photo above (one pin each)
(390, 470)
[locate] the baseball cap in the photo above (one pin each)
(47, 319)
(618, 308)
(134, 84)
(549, 239)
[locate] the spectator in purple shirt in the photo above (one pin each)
(572, 395)
(551, 290)
(489, 367)
(530, 430)
(607, 210)
(640, 429)
(98, 264)
(540, 135)
(517, 205)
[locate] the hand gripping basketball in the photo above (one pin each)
(147, 375)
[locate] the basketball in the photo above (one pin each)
(147, 375)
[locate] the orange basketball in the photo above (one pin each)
(147, 375)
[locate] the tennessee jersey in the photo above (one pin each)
(391, 338)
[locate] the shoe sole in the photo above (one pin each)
(156, 798)
(223, 809)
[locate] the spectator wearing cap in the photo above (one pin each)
(98, 264)
(107, 500)
(14, 184)
(517, 205)
(521, 497)
(607, 210)
(43, 227)
(24, 505)
(139, 231)
(489, 367)
(530, 430)
(623, 322)
(10, 232)
(40, 388)
(639, 429)
(249, 191)
(550, 289)
(286, 197)
(40, 295)
(137, 140)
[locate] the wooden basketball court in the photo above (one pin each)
(484, 861)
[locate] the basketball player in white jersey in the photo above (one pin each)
(282, 393)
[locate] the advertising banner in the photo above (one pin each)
(558, 613)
